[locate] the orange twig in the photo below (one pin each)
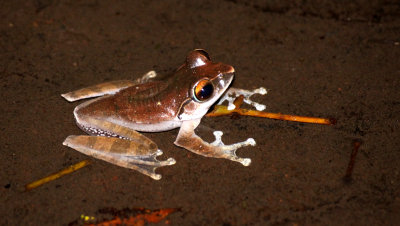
(238, 101)
(220, 110)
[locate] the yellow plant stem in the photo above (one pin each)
(57, 175)
(220, 110)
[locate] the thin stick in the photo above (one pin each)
(350, 166)
(68, 170)
(220, 110)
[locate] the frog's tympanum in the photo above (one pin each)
(180, 100)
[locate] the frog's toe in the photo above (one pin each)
(148, 164)
(149, 168)
(230, 151)
(151, 159)
(261, 91)
(155, 176)
(258, 106)
(218, 140)
(168, 162)
(251, 142)
(243, 161)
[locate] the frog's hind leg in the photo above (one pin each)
(120, 146)
(121, 152)
(106, 88)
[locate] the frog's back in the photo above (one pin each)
(147, 103)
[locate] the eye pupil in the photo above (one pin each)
(206, 91)
(203, 90)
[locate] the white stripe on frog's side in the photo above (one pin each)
(143, 127)
(137, 126)
(147, 127)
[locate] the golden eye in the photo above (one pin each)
(203, 90)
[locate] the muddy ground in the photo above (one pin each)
(319, 58)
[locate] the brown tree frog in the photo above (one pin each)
(179, 100)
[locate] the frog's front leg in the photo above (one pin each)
(231, 94)
(120, 146)
(190, 141)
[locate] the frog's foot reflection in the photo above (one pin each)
(233, 93)
(230, 150)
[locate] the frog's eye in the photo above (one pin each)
(204, 53)
(203, 90)
(197, 58)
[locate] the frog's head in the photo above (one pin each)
(209, 80)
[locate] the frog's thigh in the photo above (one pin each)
(98, 90)
(122, 152)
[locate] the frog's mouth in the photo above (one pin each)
(223, 82)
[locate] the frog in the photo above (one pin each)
(119, 110)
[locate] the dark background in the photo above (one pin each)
(336, 59)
